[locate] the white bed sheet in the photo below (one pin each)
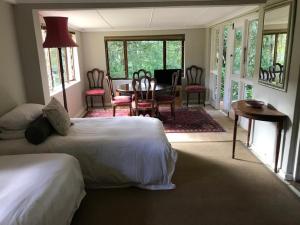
(113, 152)
(39, 189)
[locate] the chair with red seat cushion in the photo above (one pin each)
(95, 78)
(117, 100)
(170, 98)
(144, 95)
(194, 83)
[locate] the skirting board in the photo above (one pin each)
(80, 114)
(283, 175)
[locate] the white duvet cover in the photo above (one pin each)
(113, 152)
(39, 189)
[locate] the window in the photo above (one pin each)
(251, 48)
(125, 55)
(237, 56)
(234, 91)
(273, 49)
(248, 91)
(70, 64)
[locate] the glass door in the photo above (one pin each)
(233, 61)
(224, 94)
(215, 68)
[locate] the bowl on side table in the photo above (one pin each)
(254, 103)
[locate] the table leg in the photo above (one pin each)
(249, 132)
(278, 140)
(236, 117)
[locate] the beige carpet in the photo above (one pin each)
(211, 189)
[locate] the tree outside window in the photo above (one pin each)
(125, 55)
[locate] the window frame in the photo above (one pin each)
(125, 39)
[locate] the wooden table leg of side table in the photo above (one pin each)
(236, 117)
(249, 132)
(278, 140)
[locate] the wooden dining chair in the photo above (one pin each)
(117, 101)
(140, 73)
(194, 83)
(144, 96)
(169, 98)
(95, 79)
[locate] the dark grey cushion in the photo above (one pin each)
(38, 131)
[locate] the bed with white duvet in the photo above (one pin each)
(113, 152)
(39, 189)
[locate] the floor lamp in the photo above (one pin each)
(58, 36)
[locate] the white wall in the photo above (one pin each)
(94, 48)
(12, 91)
(264, 133)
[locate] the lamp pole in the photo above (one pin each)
(62, 79)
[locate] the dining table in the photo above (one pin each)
(127, 89)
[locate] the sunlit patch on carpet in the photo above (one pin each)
(188, 120)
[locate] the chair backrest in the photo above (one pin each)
(175, 77)
(95, 78)
(276, 71)
(194, 75)
(140, 73)
(110, 85)
(144, 88)
(264, 75)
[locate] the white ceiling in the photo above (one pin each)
(148, 18)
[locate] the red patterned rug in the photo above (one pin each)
(188, 120)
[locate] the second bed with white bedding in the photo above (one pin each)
(39, 189)
(113, 152)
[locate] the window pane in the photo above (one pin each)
(234, 91)
(224, 63)
(64, 56)
(251, 54)
(267, 53)
(248, 91)
(281, 44)
(55, 67)
(116, 59)
(238, 36)
(174, 54)
(216, 56)
(146, 55)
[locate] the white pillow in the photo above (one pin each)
(20, 117)
(12, 134)
(57, 116)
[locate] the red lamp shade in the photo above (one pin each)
(57, 33)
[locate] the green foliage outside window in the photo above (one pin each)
(281, 46)
(234, 91)
(174, 54)
(238, 36)
(142, 54)
(251, 54)
(116, 56)
(225, 39)
(248, 91)
(269, 52)
(267, 56)
(147, 55)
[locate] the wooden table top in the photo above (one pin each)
(265, 113)
(127, 88)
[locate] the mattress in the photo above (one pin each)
(113, 152)
(39, 189)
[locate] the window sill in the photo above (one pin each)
(59, 89)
